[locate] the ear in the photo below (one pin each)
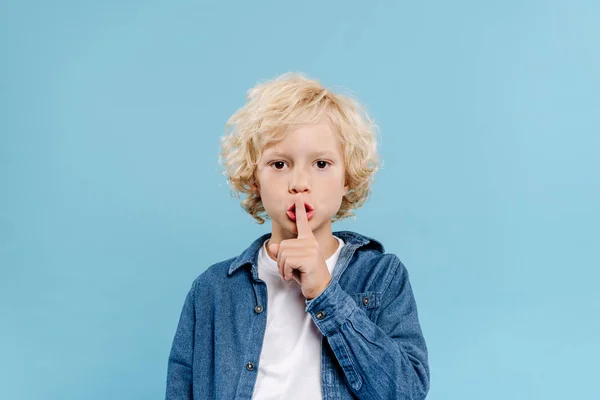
(255, 189)
(346, 185)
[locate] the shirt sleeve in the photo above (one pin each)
(385, 359)
(179, 369)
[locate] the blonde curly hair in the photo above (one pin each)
(272, 107)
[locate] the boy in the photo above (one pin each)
(304, 312)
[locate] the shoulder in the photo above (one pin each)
(363, 242)
(372, 251)
(223, 272)
(387, 263)
(368, 246)
(213, 274)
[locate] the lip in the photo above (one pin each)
(310, 211)
(306, 206)
(292, 215)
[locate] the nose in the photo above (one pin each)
(299, 182)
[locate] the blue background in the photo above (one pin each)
(112, 201)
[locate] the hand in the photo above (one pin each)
(301, 259)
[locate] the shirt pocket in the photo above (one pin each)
(368, 302)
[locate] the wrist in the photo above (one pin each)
(321, 288)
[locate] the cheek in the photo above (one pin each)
(334, 181)
(333, 189)
(268, 193)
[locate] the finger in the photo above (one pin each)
(304, 230)
(274, 248)
(281, 256)
(284, 271)
(288, 269)
(296, 274)
(287, 263)
(282, 260)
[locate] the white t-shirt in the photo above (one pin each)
(290, 360)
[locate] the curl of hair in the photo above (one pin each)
(274, 106)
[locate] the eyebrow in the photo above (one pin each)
(311, 154)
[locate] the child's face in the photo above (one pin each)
(308, 160)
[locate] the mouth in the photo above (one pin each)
(310, 211)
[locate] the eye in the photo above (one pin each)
(278, 163)
(323, 164)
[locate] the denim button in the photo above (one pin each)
(249, 366)
(258, 309)
(320, 315)
(366, 301)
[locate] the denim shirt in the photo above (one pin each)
(372, 345)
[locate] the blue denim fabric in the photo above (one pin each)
(373, 347)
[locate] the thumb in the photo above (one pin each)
(274, 249)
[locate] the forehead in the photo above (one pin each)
(307, 138)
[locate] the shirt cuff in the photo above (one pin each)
(331, 308)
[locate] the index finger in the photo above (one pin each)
(304, 230)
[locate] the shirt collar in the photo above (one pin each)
(250, 255)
